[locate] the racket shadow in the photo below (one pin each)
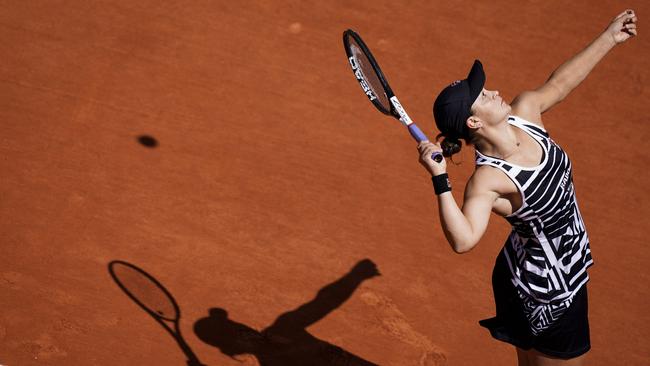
(152, 297)
(287, 342)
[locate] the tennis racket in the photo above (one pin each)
(153, 298)
(375, 86)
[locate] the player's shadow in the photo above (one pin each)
(287, 342)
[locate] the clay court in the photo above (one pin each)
(225, 148)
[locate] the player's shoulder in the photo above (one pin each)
(487, 179)
(482, 180)
(527, 105)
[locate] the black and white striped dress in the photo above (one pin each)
(548, 249)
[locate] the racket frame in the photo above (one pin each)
(396, 109)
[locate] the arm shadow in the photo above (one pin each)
(287, 342)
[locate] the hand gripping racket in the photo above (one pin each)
(153, 298)
(374, 85)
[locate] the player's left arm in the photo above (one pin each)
(531, 104)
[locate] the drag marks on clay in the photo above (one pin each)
(419, 288)
(394, 322)
(43, 348)
(11, 280)
(68, 326)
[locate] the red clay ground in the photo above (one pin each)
(274, 176)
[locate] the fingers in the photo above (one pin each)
(629, 26)
(631, 32)
(428, 143)
(428, 147)
(623, 26)
(628, 12)
(427, 153)
(630, 20)
(626, 17)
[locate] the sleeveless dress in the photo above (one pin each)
(547, 254)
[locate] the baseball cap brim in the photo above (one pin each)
(476, 80)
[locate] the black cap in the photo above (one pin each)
(452, 106)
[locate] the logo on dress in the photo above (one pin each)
(565, 179)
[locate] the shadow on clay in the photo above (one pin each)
(148, 141)
(152, 297)
(286, 342)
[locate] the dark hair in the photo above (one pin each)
(452, 145)
(449, 145)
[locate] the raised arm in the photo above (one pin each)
(531, 104)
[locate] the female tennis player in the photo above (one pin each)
(539, 279)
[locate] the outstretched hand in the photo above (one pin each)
(623, 26)
(365, 269)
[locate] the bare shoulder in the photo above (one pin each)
(483, 181)
(527, 105)
(489, 180)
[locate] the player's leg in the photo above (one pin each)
(522, 357)
(536, 358)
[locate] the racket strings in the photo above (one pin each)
(146, 292)
(369, 74)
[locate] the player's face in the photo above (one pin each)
(490, 107)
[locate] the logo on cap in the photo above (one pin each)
(454, 83)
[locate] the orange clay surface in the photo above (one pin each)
(273, 177)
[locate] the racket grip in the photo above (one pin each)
(419, 136)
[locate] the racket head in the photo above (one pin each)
(368, 74)
(145, 290)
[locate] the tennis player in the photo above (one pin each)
(540, 276)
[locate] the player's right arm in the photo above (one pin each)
(463, 227)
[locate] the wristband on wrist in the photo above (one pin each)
(441, 183)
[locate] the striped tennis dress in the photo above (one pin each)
(547, 251)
